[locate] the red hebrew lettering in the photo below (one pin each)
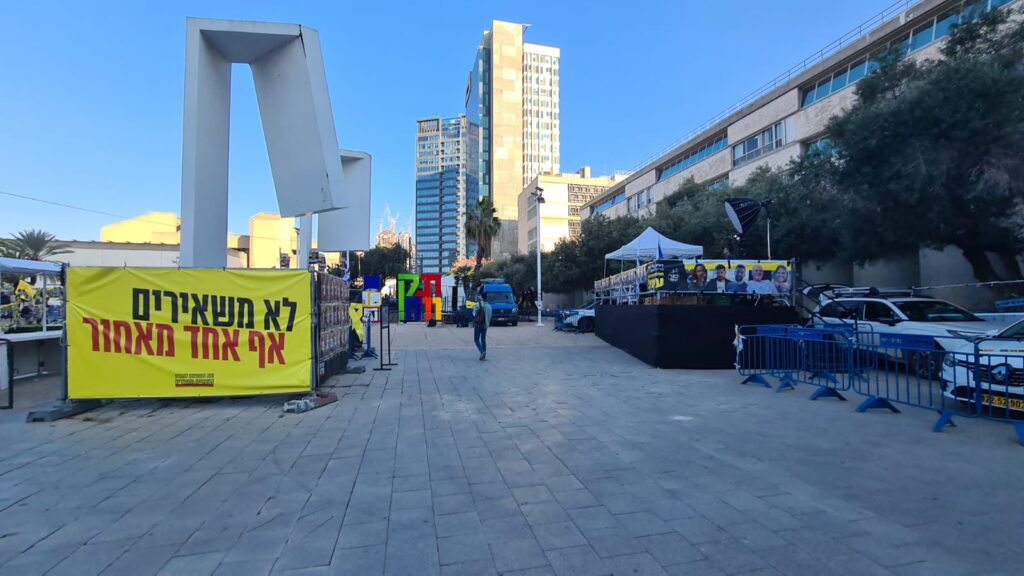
(122, 333)
(164, 340)
(105, 324)
(211, 341)
(194, 337)
(276, 347)
(258, 344)
(144, 338)
(229, 344)
(95, 326)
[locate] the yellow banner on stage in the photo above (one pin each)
(162, 333)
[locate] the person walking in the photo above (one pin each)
(481, 320)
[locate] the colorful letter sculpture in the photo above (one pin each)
(419, 297)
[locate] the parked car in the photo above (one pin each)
(583, 318)
(990, 366)
(878, 315)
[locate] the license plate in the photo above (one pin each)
(1002, 402)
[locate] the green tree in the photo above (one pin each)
(33, 245)
(482, 225)
(519, 271)
(386, 262)
(932, 153)
(575, 264)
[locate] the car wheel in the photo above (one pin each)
(927, 365)
(585, 325)
(515, 322)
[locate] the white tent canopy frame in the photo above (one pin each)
(652, 245)
(646, 247)
(16, 266)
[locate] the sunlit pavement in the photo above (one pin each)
(558, 454)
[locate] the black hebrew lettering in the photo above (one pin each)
(140, 304)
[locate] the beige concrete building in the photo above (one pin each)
(788, 116)
(512, 110)
(154, 239)
(564, 196)
(270, 236)
(150, 228)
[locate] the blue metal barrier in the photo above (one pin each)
(559, 320)
(905, 369)
(766, 350)
(953, 376)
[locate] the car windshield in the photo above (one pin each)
(1015, 331)
(500, 298)
(935, 311)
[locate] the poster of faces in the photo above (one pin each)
(333, 318)
(728, 276)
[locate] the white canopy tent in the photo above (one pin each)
(16, 266)
(651, 245)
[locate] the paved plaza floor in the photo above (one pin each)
(558, 455)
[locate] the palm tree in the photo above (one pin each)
(33, 245)
(482, 226)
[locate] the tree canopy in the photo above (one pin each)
(482, 225)
(32, 245)
(931, 154)
(386, 262)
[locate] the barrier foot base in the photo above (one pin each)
(1019, 427)
(945, 419)
(382, 369)
(785, 383)
(371, 353)
(63, 410)
(826, 392)
(874, 402)
(825, 375)
(756, 379)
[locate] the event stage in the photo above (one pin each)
(683, 336)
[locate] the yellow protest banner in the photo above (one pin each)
(162, 333)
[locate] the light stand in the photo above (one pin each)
(538, 194)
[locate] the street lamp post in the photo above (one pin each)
(538, 194)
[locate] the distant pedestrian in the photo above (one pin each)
(481, 320)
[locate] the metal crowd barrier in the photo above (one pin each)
(559, 316)
(953, 376)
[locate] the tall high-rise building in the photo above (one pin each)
(440, 193)
(512, 115)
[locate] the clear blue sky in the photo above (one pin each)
(91, 92)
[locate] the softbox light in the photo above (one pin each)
(742, 212)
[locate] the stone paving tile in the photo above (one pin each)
(366, 561)
(635, 565)
(194, 565)
(558, 535)
(462, 548)
(520, 554)
(578, 561)
(559, 454)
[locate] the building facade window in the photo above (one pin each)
(759, 144)
(693, 156)
(931, 30)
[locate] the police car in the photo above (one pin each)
(879, 313)
(583, 319)
(989, 370)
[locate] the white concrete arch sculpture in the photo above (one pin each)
(295, 108)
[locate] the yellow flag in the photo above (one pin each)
(355, 312)
(26, 288)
